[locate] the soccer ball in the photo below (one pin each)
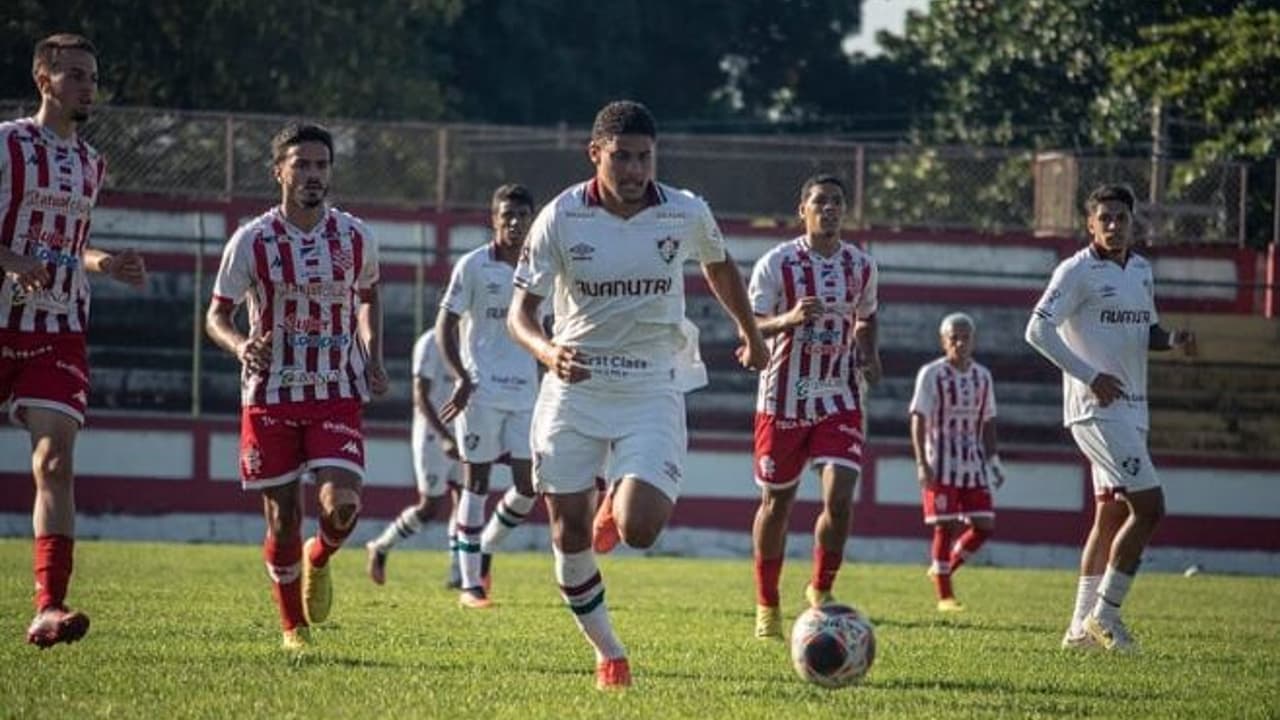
(832, 646)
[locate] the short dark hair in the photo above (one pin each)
(1112, 192)
(822, 179)
(47, 50)
(623, 117)
(296, 133)
(514, 193)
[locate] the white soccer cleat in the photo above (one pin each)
(1110, 633)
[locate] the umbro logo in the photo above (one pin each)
(582, 251)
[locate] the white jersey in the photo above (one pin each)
(811, 367)
(303, 287)
(618, 284)
(954, 405)
(1104, 313)
(430, 366)
(48, 187)
(479, 292)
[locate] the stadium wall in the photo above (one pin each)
(176, 479)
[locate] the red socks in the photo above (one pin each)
(330, 539)
(768, 571)
(284, 564)
(51, 563)
(967, 545)
(940, 569)
(826, 564)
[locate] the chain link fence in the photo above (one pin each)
(456, 166)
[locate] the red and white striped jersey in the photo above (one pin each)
(303, 287)
(48, 187)
(811, 367)
(954, 404)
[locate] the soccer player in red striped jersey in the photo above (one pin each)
(953, 434)
(815, 301)
(313, 355)
(49, 183)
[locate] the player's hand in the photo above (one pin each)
(569, 364)
(1107, 388)
(128, 267)
(1186, 341)
(995, 470)
(924, 476)
(457, 402)
(29, 273)
(871, 371)
(806, 308)
(376, 374)
(255, 353)
(752, 354)
(450, 447)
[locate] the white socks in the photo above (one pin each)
(470, 523)
(1086, 597)
(582, 588)
(1111, 593)
(511, 511)
(403, 527)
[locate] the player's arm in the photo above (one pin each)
(422, 404)
(726, 284)
(447, 341)
(866, 340)
(126, 266)
(219, 324)
(924, 473)
(1161, 339)
(806, 308)
(369, 325)
(990, 451)
(522, 323)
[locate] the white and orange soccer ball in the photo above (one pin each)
(832, 646)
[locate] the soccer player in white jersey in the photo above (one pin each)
(492, 402)
(953, 435)
(1097, 321)
(313, 355)
(435, 456)
(49, 183)
(815, 298)
(611, 254)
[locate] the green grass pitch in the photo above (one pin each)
(190, 631)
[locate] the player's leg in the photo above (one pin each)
(454, 580)
(282, 553)
(980, 518)
(1109, 515)
(769, 549)
(475, 489)
(339, 509)
(429, 465)
(836, 448)
(53, 435)
(831, 531)
(517, 501)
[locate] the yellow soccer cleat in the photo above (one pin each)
(950, 605)
(297, 639)
(474, 599)
(1078, 641)
(317, 587)
(769, 623)
(818, 598)
(1110, 633)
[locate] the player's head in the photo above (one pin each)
(957, 335)
(1109, 216)
(512, 213)
(302, 161)
(65, 69)
(822, 205)
(622, 147)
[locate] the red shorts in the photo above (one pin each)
(945, 503)
(280, 442)
(782, 446)
(44, 370)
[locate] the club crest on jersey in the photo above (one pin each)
(251, 461)
(472, 441)
(767, 467)
(667, 248)
(1132, 466)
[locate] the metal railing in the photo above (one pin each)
(456, 166)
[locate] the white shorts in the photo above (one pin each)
(1119, 456)
(486, 433)
(575, 433)
(432, 469)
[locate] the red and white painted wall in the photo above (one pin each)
(176, 479)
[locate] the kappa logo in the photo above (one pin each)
(668, 247)
(351, 448)
(581, 252)
(1132, 466)
(81, 397)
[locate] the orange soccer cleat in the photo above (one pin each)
(613, 674)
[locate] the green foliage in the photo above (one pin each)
(190, 631)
